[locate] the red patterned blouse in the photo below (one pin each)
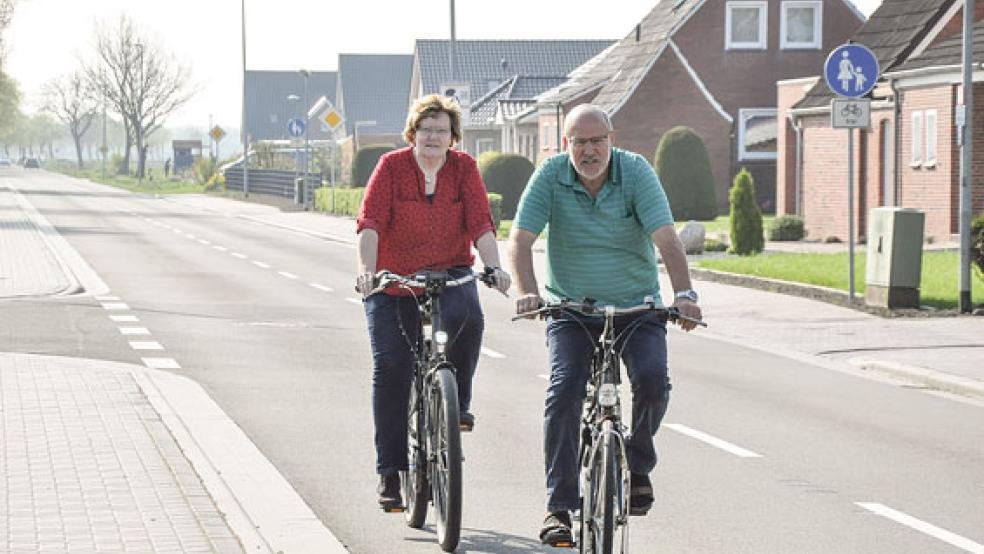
(415, 233)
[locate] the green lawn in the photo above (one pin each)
(939, 285)
(130, 183)
(722, 224)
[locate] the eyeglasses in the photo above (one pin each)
(433, 131)
(593, 141)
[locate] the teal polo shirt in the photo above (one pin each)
(599, 247)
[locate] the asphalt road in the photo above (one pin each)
(813, 460)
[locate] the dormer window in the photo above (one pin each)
(745, 28)
(801, 24)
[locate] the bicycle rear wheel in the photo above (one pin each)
(416, 489)
(445, 448)
(604, 498)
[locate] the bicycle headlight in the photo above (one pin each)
(440, 338)
(607, 395)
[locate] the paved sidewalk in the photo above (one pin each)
(941, 352)
(28, 266)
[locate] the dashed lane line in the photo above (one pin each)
(287, 274)
(924, 527)
(115, 306)
(321, 287)
(492, 353)
(238, 255)
(354, 300)
(220, 248)
(711, 440)
(146, 345)
(258, 263)
(161, 363)
(124, 318)
(108, 298)
(134, 331)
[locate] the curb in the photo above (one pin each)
(929, 377)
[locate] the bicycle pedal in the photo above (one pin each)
(394, 509)
(564, 544)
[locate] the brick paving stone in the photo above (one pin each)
(88, 466)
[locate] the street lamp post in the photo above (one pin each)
(307, 154)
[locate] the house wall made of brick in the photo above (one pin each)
(788, 94)
(668, 97)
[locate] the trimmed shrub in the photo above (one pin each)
(216, 183)
(684, 169)
(713, 245)
(365, 162)
(495, 206)
(787, 227)
(507, 175)
(746, 219)
(347, 200)
(203, 169)
(977, 244)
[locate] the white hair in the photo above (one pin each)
(582, 110)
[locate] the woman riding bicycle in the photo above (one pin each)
(424, 208)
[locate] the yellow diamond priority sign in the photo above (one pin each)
(217, 133)
(332, 118)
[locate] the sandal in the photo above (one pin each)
(640, 495)
(556, 530)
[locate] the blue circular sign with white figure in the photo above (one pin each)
(295, 127)
(851, 70)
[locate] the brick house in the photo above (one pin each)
(909, 155)
(502, 79)
(711, 65)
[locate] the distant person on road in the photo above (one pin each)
(424, 208)
(605, 209)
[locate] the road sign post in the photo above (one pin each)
(851, 71)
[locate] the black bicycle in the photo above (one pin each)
(434, 436)
(604, 477)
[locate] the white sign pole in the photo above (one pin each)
(850, 212)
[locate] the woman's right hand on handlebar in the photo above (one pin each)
(528, 303)
(364, 284)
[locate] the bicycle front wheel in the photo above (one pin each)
(445, 448)
(416, 489)
(604, 497)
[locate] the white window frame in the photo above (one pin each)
(929, 122)
(817, 25)
(479, 142)
(546, 137)
(916, 138)
(743, 115)
(763, 40)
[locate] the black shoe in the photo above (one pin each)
(466, 421)
(556, 530)
(640, 494)
(390, 499)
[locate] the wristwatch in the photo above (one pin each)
(689, 294)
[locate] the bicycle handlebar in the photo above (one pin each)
(386, 279)
(589, 308)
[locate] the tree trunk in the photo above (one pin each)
(78, 149)
(125, 165)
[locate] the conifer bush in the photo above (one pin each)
(746, 219)
(684, 169)
(507, 175)
(365, 162)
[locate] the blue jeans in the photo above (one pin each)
(393, 360)
(643, 352)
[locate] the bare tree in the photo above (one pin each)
(6, 14)
(144, 83)
(70, 99)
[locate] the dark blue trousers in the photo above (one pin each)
(570, 340)
(393, 360)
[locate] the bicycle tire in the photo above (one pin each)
(599, 500)
(414, 481)
(445, 435)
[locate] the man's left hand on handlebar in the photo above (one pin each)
(689, 310)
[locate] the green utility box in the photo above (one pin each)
(892, 277)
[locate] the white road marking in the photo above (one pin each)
(146, 345)
(106, 298)
(220, 248)
(190, 236)
(134, 330)
(240, 256)
(115, 306)
(287, 274)
(713, 441)
(258, 263)
(161, 363)
(124, 318)
(544, 376)
(205, 242)
(492, 353)
(923, 527)
(354, 300)
(176, 231)
(322, 288)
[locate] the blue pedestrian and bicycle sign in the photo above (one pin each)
(295, 127)
(851, 70)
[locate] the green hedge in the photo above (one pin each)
(365, 162)
(507, 175)
(684, 169)
(787, 228)
(349, 200)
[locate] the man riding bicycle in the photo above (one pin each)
(606, 209)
